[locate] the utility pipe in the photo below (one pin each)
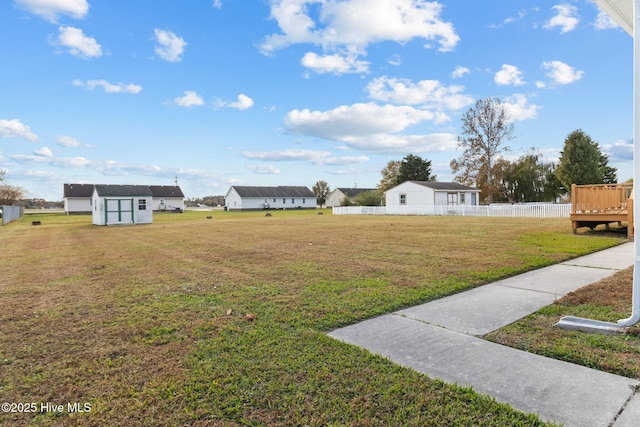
(635, 300)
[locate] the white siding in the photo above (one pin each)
(335, 198)
(77, 205)
(414, 195)
(122, 210)
(168, 203)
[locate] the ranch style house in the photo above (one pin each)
(259, 198)
(431, 193)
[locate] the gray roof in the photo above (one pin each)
(445, 186)
(166, 191)
(78, 190)
(122, 190)
(282, 191)
(353, 192)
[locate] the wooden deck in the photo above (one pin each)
(592, 205)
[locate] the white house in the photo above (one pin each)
(335, 197)
(122, 204)
(427, 193)
(169, 198)
(77, 198)
(258, 198)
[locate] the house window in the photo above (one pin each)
(293, 201)
(462, 202)
(274, 200)
(403, 199)
(142, 205)
(284, 201)
(452, 198)
(304, 201)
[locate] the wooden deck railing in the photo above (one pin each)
(602, 204)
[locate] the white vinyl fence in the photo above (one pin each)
(525, 210)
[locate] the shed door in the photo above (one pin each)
(118, 211)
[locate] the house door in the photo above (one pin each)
(118, 211)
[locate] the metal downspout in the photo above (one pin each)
(635, 301)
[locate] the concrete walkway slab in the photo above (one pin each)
(557, 391)
(439, 338)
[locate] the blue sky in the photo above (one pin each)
(289, 92)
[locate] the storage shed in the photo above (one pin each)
(431, 193)
(259, 198)
(122, 204)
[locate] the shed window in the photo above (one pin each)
(142, 205)
(403, 199)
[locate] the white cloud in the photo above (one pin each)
(565, 18)
(561, 73)
(190, 99)
(459, 72)
(243, 102)
(217, 4)
(509, 75)
(264, 169)
(336, 63)
(69, 142)
(604, 22)
(519, 109)
(286, 155)
(109, 87)
(619, 151)
(16, 129)
(77, 43)
(50, 10)
(428, 93)
(44, 152)
(370, 127)
(170, 47)
(340, 26)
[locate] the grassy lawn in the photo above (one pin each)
(221, 322)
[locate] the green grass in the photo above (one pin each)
(148, 323)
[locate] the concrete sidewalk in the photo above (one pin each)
(442, 339)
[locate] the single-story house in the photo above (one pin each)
(428, 193)
(335, 197)
(122, 204)
(167, 198)
(78, 198)
(258, 198)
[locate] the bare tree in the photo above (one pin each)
(485, 128)
(9, 194)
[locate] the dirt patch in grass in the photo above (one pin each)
(607, 300)
(147, 323)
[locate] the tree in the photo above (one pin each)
(9, 194)
(485, 128)
(582, 162)
(389, 176)
(528, 179)
(368, 198)
(414, 168)
(321, 190)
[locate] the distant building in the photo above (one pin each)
(78, 198)
(336, 197)
(258, 198)
(430, 193)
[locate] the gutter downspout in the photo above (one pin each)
(635, 301)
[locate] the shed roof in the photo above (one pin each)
(281, 191)
(122, 190)
(166, 191)
(445, 186)
(78, 190)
